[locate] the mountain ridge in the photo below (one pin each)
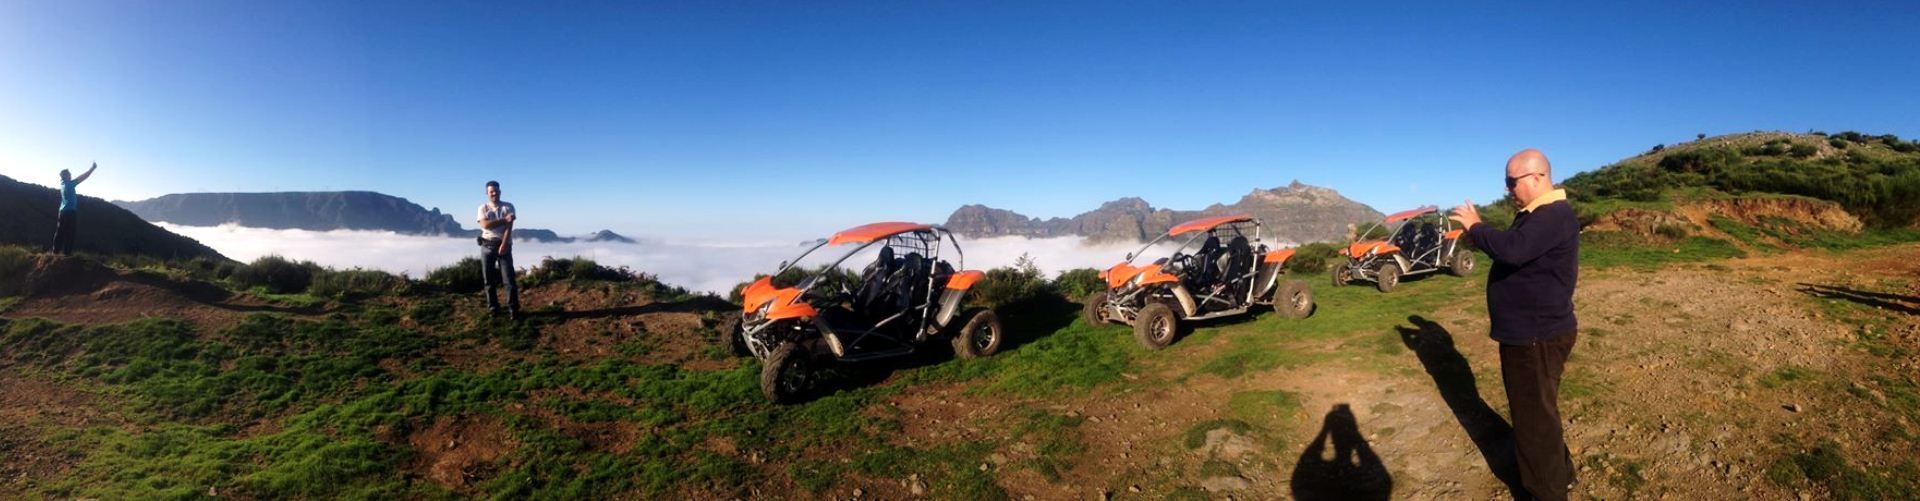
(325, 211)
(1296, 212)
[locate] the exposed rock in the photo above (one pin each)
(1295, 213)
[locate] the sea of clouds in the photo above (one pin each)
(701, 265)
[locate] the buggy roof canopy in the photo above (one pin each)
(1410, 213)
(1207, 223)
(870, 232)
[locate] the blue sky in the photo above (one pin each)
(792, 119)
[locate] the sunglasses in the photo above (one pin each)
(1514, 181)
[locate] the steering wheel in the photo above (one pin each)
(1179, 261)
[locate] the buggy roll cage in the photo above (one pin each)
(923, 239)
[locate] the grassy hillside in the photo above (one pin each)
(105, 228)
(1877, 178)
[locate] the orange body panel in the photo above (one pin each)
(1279, 256)
(1359, 249)
(1410, 213)
(762, 292)
(1119, 274)
(870, 232)
(1205, 224)
(964, 280)
(757, 294)
(785, 307)
(1453, 234)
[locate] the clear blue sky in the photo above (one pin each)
(791, 119)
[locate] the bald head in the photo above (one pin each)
(1528, 176)
(1529, 161)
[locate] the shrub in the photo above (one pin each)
(277, 274)
(576, 268)
(1311, 258)
(1009, 285)
(1803, 150)
(1837, 143)
(15, 263)
(460, 277)
(355, 283)
(1079, 282)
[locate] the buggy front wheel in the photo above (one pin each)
(1342, 274)
(980, 337)
(1095, 311)
(1155, 326)
(1295, 300)
(1461, 264)
(788, 374)
(1387, 277)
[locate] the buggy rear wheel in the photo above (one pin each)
(1387, 277)
(788, 374)
(1095, 311)
(1295, 300)
(1155, 326)
(980, 337)
(1461, 264)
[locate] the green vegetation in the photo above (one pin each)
(276, 275)
(461, 277)
(15, 263)
(1313, 258)
(1611, 249)
(1874, 178)
(1825, 464)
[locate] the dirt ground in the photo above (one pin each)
(1660, 398)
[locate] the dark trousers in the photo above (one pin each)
(1532, 376)
(497, 268)
(63, 231)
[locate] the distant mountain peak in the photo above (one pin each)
(1296, 212)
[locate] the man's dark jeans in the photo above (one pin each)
(1532, 376)
(63, 232)
(497, 268)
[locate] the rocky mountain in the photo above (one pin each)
(104, 227)
(1296, 213)
(324, 211)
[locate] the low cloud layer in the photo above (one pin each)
(711, 266)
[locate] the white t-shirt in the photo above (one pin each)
(489, 212)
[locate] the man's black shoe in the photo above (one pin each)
(513, 315)
(493, 312)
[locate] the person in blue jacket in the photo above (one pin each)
(68, 223)
(1536, 261)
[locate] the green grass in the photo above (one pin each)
(1826, 464)
(1786, 374)
(1270, 409)
(1615, 249)
(1056, 442)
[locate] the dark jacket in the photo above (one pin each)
(1535, 264)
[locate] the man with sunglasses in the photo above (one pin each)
(1530, 300)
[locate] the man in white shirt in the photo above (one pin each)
(496, 251)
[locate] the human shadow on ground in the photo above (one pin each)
(1350, 471)
(1453, 376)
(1904, 304)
